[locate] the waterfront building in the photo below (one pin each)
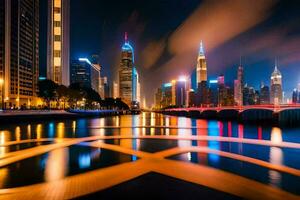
(167, 95)
(250, 96)
(276, 95)
(295, 96)
(201, 69)
(129, 86)
(85, 73)
(264, 97)
(239, 100)
(19, 53)
(214, 92)
(191, 98)
(136, 87)
(104, 87)
(115, 90)
(58, 47)
(180, 93)
(202, 96)
(158, 98)
(222, 91)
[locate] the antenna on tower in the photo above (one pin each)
(240, 59)
(276, 62)
(201, 49)
(126, 37)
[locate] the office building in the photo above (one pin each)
(264, 97)
(19, 52)
(180, 93)
(86, 74)
(276, 95)
(129, 88)
(214, 92)
(201, 69)
(58, 47)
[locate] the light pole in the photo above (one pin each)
(2, 98)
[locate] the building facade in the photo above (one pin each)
(58, 63)
(276, 95)
(239, 87)
(201, 69)
(180, 93)
(126, 72)
(264, 97)
(19, 52)
(115, 90)
(85, 73)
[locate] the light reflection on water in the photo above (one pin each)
(56, 163)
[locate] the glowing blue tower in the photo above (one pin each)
(128, 77)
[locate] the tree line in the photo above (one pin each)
(69, 97)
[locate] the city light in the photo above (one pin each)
(85, 60)
(182, 79)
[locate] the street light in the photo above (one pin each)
(2, 97)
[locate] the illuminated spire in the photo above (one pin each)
(275, 65)
(201, 50)
(126, 37)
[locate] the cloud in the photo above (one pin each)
(152, 52)
(216, 22)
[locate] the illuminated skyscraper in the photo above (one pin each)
(201, 69)
(167, 95)
(129, 85)
(58, 42)
(264, 97)
(19, 52)
(158, 98)
(180, 93)
(86, 74)
(115, 90)
(126, 71)
(239, 86)
(276, 86)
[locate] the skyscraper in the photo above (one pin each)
(276, 87)
(58, 42)
(115, 90)
(264, 97)
(201, 69)
(239, 86)
(126, 72)
(19, 52)
(158, 98)
(85, 73)
(295, 96)
(180, 93)
(214, 92)
(167, 94)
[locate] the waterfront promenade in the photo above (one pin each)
(35, 115)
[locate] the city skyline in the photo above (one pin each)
(156, 35)
(161, 99)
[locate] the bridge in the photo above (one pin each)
(286, 114)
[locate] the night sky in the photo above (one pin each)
(166, 34)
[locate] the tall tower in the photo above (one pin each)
(19, 52)
(58, 62)
(201, 69)
(276, 86)
(126, 72)
(239, 84)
